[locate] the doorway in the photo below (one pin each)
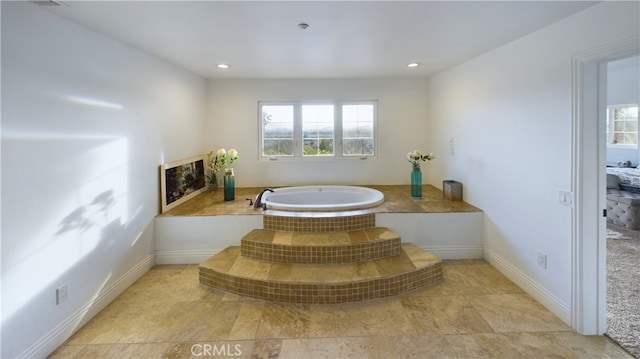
(622, 242)
(588, 292)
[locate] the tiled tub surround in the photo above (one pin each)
(397, 199)
(324, 222)
(341, 247)
(321, 283)
(325, 258)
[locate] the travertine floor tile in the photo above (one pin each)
(380, 347)
(280, 272)
(266, 349)
(283, 238)
(591, 346)
(66, 351)
(430, 345)
(166, 312)
(469, 277)
(306, 239)
(142, 350)
(106, 330)
(323, 273)
(378, 317)
(246, 324)
(210, 349)
(465, 346)
(324, 348)
(93, 351)
(284, 320)
(447, 315)
(516, 313)
(195, 321)
(322, 321)
(248, 268)
(511, 345)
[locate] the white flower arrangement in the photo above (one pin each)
(221, 159)
(213, 164)
(227, 159)
(416, 156)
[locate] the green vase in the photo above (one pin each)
(416, 181)
(229, 185)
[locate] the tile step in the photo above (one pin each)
(333, 247)
(411, 269)
(317, 221)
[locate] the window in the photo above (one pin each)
(622, 125)
(317, 130)
(357, 130)
(277, 124)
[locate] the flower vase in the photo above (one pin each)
(416, 181)
(213, 183)
(229, 185)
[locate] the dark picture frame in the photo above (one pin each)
(181, 181)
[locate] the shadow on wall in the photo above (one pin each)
(81, 218)
(65, 225)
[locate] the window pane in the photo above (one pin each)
(357, 147)
(357, 130)
(618, 126)
(277, 130)
(618, 138)
(317, 130)
(631, 126)
(624, 125)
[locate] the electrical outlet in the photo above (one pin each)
(542, 260)
(62, 294)
(451, 147)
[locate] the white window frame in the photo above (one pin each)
(297, 131)
(610, 128)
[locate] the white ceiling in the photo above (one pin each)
(357, 39)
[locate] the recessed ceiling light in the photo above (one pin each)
(223, 66)
(413, 64)
(303, 25)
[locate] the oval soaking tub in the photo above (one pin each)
(322, 198)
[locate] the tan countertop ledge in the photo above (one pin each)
(397, 199)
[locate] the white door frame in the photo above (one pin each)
(588, 177)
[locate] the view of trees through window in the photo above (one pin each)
(317, 130)
(357, 130)
(622, 125)
(323, 130)
(277, 124)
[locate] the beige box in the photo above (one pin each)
(452, 190)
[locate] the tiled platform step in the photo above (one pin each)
(328, 247)
(411, 269)
(318, 222)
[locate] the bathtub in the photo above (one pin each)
(322, 198)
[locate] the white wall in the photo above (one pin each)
(509, 112)
(85, 123)
(623, 88)
(232, 122)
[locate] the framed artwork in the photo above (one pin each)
(181, 181)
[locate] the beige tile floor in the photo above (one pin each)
(475, 313)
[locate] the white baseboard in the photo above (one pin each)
(58, 335)
(184, 256)
(455, 252)
(541, 294)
